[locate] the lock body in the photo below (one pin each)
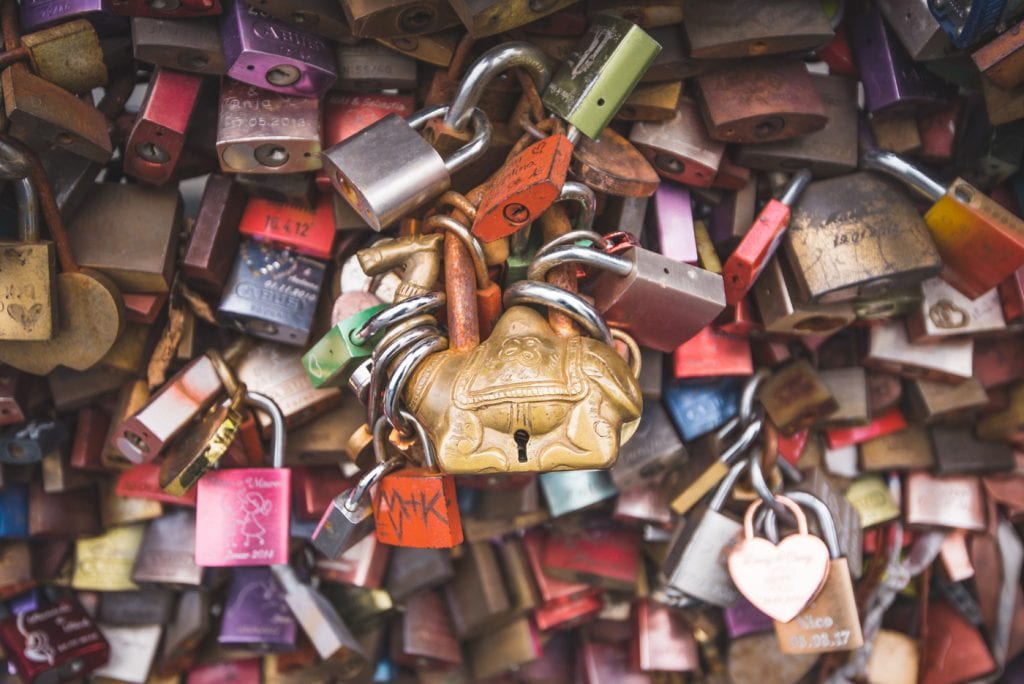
(68, 55)
(256, 616)
(488, 17)
(213, 243)
(158, 136)
(370, 67)
(165, 553)
(306, 232)
(38, 14)
(417, 507)
(695, 562)
(75, 644)
(166, 8)
(274, 56)
(28, 306)
(680, 149)
(272, 293)
(192, 46)
(254, 531)
(717, 30)
(266, 132)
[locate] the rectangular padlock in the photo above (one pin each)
(213, 242)
(953, 501)
(72, 513)
(487, 18)
(306, 232)
(166, 553)
(256, 616)
(370, 67)
(184, 633)
(959, 452)
(71, 643)
(143, 222)
(272, 293)
(796, 397)
(890, 349)
(416, 507)
(132, 650)
(606, 557)
(192, 46)
(944, 312)
(259, 131)
(680, 149)
(423, 636)
(322, 17)
(104, 563)
(674, 223)
(712, 353)
(477, 598)
(653, 450)
(716, 30)
(298, 189)
(272, 55)
(917, 28)
(156, 141)
(1001, 60)
(148, 606)
(181, 9)
(39, 14)
(277, 372)
(929, 401)
(362, 565)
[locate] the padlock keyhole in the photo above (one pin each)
(521, 437)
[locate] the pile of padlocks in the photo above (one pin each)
(444, 341)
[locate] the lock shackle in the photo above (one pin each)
(742, 443)
(429, 455)
(14, 165)
(387, 354)
(635, 361)
(571, 254)
(746, 408)
(399, 378)
(892, 164)
(487, 67)
(826, 523)
(764, 490)
(262, 401)
(571, 238)
(721, 494)
(473, 246)
(396, 313)
(372, 477)
(795, 187)
(28, 210)
(471, 151)
(748, 518)
(583, 195)
(572, 305)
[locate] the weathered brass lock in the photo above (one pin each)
(527, 400)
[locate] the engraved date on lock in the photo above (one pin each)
(252, 122)
(272, 224)
(821, 640)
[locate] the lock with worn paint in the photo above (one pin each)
(30, 443)
(254, 505)
(192, 46)
(717, 30)
(261, 131)
(654, 450)
(156, 141)
(166, 552)
(67, 55)
(423, 636)
(29, 306)
(38, 14)
(274, 56)
(795, 397)
(680, 148)
(213, 242)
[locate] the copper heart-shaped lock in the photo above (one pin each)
(779, 579)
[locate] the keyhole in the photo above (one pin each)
(521, 437)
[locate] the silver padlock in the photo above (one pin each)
(387, 170)
(695, 563)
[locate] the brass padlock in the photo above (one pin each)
(525, 399)
(68, 55)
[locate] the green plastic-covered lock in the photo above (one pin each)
(600, 74)
(332, 359)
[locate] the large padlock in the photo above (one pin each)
(481, 417)
(385, 188)
(632, 292)
(252, 507)
(28, 297)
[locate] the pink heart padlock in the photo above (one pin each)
(779, 579)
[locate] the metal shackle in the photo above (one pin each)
(572, 305)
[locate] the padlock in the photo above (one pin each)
(14, 524)
(259, 131)
(509, 648)
(597, 77)
(842, 217)
(733, 29)
(112, 215)
(277, 371)
(680, 148)
(673, 208)
(349, 518)
(185, 631)
(651, 101)
(256, 617)
(160, 8)
(67, 55)
(890, 349)
(712, 352)
(423, 636)
(28, 443)
(654, 450)
(971, 658)
(603, 555)
(29, 265)
(1004, 423)
(830, 623)
(38, 14)
(369, 67)
(147, 606)
(272, 293)
(917, 28)
(254, 503)
(104, 563)
(192, 46)
(628, 289)
(132, 650)
(694, 565)
(477, 597)
(54, 642)
(930, 401)
(416, 507)
(746, 263)
(761, 100)
(944, 312)
(959, 452)
(165, 552)
(16, 573)
(388, 18)
(310, 233)
(1000, 59)
(383, 190)
(731, 218)
(780, 579)
(980, 243)
(895, 83)
(951, 501)
(849, 388)
(158, 136)
(472, 377)
(214, 239)
(274, 56)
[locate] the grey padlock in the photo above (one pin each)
(387, 170)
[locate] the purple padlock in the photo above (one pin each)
(38, 14)
(893, 82)
(256, 616)
(674, 215)
(273, 55)
(742, 619)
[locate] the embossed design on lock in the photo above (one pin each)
(28, 306)
(569, 402)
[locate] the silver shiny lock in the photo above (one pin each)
(388, 170)
(695, 563)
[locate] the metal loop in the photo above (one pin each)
(471, 151)
(371, 478)
(487, 67)
(14, 165)
(262, 401)
(572, 305)
(382, 357)
(570, 254)
(457, 201)
(473, 246)
(893, 165)
(429, 454)
(583, 195)
(742, 443)
(746, 409)
(28, 210)
(721, 494)
(571, 238)
(826, 523)
(760, 484)
(396, 313)
(400, 377)
(635, 360)
(224, 371)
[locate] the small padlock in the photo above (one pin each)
(272, 55)
(165, 8)
(680, 148)
(253, 505)
(158, 136)
(192, 45)
(29, 443)
(256, 617)
(830, 623)
(213, 242)
(29, 307)
(369, 67)
(780, 579)
(383, 189)
(54, 642)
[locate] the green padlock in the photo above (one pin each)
(600, 74)
(332, 359)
